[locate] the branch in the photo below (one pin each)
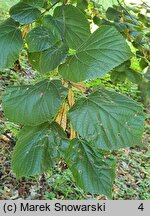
(50, 7)
(146, 4)
(125, 9)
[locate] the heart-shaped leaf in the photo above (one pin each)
(92, 171)
(71, 23)
(26, 11)
(10, 43)
(102, 51)
(109, 119)
(34, 104)
(38, 149)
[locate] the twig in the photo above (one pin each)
(146, 4)
(125, 10)
(50, 7)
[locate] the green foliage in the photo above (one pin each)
(34, 39)
(49, 59)
(4, 7)
(59, 43)
(133, 23)
(38, 148)
(63, 186)
(26, 11)
(72, 25)
(123, 72)
(90, 59)
(10, 42)
(105, 4)
(89, 166)
(108, 119)
(35, 104)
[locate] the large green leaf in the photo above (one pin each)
(26, 11)
(34, 104)
(102, 51)
(40, 38)
(49, 59)
(10, 43)
(92, 171)
(38, 149)
(109, 119)
(71, 23)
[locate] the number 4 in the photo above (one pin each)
(141, 207)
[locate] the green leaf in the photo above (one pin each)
(144, 88)
(35, 3)
(102, 51)
(92, 171)
(105, 4)
(109, 119)
(26, 11)
(143, 64)
(82, 4)
(38, 149)
(10, 43)
(124, 71)
(133, 76)
(34, 104)
(49, 59)
(117, 76)
(113, 14)
(72, 25)
(50, 23)
(39, 39)
(124, 66)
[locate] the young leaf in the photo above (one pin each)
(92, 171)
(109, 119)
(38, 149)
(71, 23)
(26, 11)
(113, 14)
(49, 59)
(34, 104)
(40, 38)
(10, 43)
(101, 52)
